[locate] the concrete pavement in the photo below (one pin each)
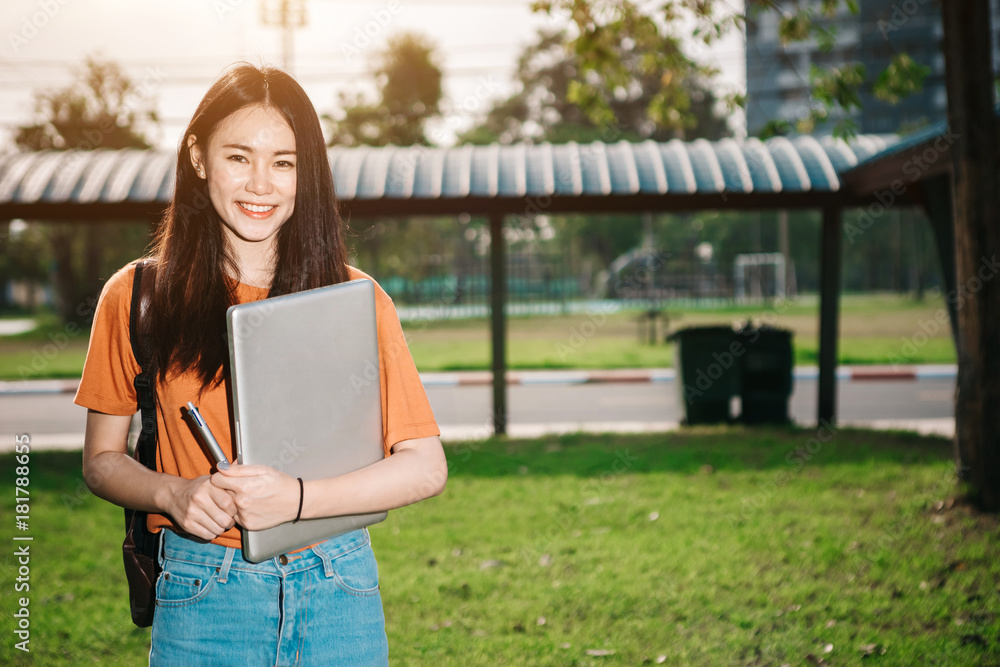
(548, 422)
(471, 378)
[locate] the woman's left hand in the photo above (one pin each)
(264, 497)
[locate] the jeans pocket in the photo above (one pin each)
(183, 583)
(356, 572)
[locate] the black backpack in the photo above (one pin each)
(140, 550)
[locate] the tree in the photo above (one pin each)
(409, 94)
(976, 206)
(408, 78)
(546, 108)
(103, 108)
(24, 255)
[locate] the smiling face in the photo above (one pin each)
(249, 164)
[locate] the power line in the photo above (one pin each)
(494, 3)
(199, 61)
(33, 67)
(463, 71)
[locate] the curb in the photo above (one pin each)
(38, 386)
(635, 375)
(466, 432)
(844, 373)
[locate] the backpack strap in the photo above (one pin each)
(142, 294)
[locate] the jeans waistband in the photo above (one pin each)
(178, 547)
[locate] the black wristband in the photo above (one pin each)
(298, 515)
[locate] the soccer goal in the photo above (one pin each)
(758, 276)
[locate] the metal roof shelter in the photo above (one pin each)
(520, 179)
(417, 180)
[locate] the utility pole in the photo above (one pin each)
(783, 248)
(287, 15)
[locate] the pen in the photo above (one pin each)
(206, 435)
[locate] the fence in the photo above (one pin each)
(549, 283)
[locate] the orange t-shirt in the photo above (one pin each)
(106, 386)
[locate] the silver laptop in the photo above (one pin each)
(306, 397)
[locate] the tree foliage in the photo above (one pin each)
(546, 105)
(604, 28)
(408, 77)
(101, 108)
(24, 256)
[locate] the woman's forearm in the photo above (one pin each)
(120, 479)
(265, 497)
(411, 474)
(194, 505)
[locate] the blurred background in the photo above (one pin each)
(442, 73)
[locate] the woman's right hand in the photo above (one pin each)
(199, 508)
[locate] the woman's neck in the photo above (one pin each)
(255, 279)
(255, 262)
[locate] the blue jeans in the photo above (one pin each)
(320, 606)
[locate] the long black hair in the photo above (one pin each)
(187, 319)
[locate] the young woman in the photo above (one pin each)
(253, 215)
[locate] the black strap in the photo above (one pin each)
(142, 290)
(140, 549)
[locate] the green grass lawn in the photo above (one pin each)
(706, 547)
(875, 329)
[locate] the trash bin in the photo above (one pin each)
(766, 374)
(708, 373)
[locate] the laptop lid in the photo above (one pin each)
(306, 397)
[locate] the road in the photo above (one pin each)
(464, 411)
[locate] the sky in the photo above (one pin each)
(175, 50)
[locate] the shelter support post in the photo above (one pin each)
(937, 206)
(498, 322)
(829, 313)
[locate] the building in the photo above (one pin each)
(778, 76)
